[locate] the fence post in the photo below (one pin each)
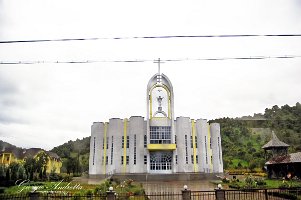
(220, 194)
(111, 194)
(186, 194)
(34, 196)
(266, 194)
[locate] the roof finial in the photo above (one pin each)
(159, 73)
(158, 61)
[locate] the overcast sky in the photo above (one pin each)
(44, 105)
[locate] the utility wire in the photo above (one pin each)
(149, 37)
(137, 60)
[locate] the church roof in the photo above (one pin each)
(290, 158)
(274, 142)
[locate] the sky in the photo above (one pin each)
(46, 104)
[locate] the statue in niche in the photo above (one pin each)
(159, 99)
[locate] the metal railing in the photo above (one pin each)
(219, 194)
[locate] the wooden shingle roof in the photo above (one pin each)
(291, 158)
(274, 142)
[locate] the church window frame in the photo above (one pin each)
(93, 151)
(145, 141)
(135, 149)
(186, 149)
(219, 150)
(160, 134)
(127, 141)
(112, 150)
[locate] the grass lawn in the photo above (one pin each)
(278, 183)
(263, 183)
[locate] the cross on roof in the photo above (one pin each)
(158, 61)
(159, 73)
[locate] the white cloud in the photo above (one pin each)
(44, 105)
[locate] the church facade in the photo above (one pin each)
(159, 144)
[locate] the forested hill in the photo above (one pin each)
(242, 139)
(75, 155)
(5, 145)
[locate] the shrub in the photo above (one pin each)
(97, 190)
(260, 181)
(76, 196)
(225, 180)
(250, 183)
(89, 193)
(234, 185)
(2, 189)
(284, 184)
(66, 177)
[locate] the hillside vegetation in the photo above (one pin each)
(242, 139)
(75, 155)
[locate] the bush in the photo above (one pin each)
(89, 193)
(260, 181)
(234, 185)
(54, 176)
(250, 182)
(225, 180)
(76, 196)
(66, 177)
(97, 190)
(2, 189)
(284, 184)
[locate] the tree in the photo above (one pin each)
(252, 165)
(14, 168)
(41, 161)
(30, 167)
(71, 165)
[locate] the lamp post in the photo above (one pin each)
(186, 194)
(219, 192)
(111, 193)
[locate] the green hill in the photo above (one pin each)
(5, 145)
(242, 139)
(75, 155)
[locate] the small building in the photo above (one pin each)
(13, 154)
(281, 164)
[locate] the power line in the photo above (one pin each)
(142, 60)
(149, 37)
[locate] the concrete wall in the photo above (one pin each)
(217, 158)
(137, 128)
(96, 138)
(204, 145)
(183, 127)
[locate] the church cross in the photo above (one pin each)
(159, 62)
(159, 73)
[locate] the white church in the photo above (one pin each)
(159, 144)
